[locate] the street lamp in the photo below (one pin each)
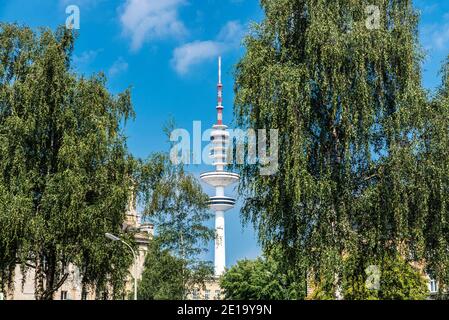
(112, 237)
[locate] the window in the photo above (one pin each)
(195, 294)
(84, 295)
(207, 295)
(64, 295)
(433, 286)
(217, 295)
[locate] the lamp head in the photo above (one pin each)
(110, 236)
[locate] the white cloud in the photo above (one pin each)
(193, 53)
(85, 58)
(196, 52)
(144, 20)
(119, 66)
(441, 38)
(231, 33)
(436, 36)
(428, 9)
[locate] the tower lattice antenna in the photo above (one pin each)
(219, 95)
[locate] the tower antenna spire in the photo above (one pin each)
(219, 95)
(219, 69)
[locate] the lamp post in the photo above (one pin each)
(112, 237)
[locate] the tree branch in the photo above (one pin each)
(49, 292)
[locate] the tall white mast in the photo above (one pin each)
(220, 179)
(219, 70)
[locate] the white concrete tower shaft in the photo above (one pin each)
(220, 250)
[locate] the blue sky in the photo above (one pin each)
(166, 51)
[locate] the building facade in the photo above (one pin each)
(72, 288)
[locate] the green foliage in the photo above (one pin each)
(398, 280)
(174, 201)
(161, 278)
(65, 172)
(433, 183)
(363, 155)
(165, 276)
(260, 279)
